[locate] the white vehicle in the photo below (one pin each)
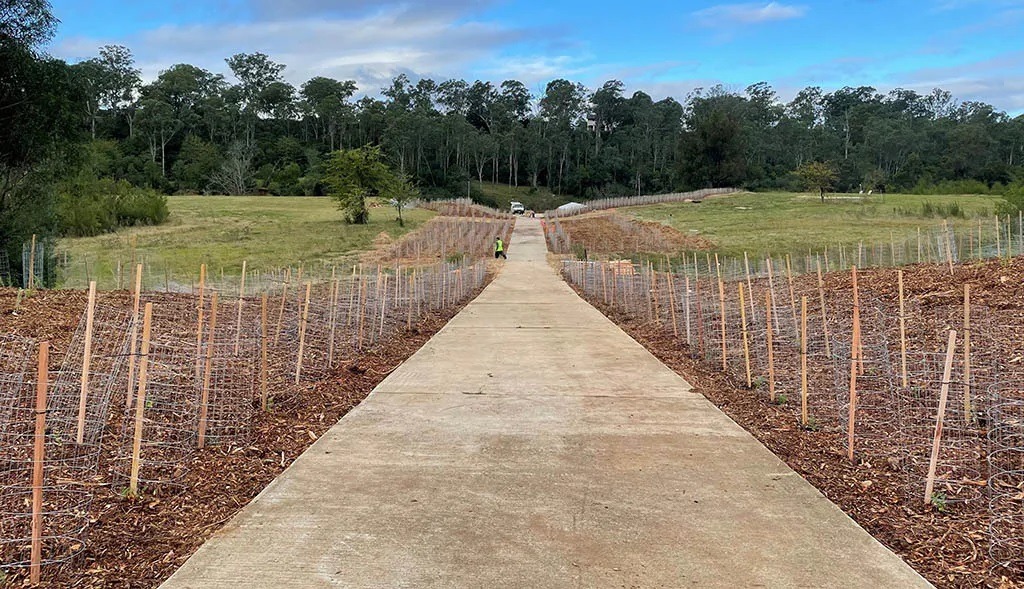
(517, 208)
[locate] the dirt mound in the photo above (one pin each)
(382, 240)
(610, 232)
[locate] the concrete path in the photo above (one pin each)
(533, 444)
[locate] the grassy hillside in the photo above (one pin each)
(221, 231)
(785, 222)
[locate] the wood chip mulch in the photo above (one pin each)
(950, 548)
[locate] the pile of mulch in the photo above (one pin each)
(139, 543)
(949, 547)
(613, 233)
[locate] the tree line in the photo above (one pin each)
(193, 130)
(74, 134)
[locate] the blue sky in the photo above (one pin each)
(973, 48)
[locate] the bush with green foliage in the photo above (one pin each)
(1013, 200)
(90, 206)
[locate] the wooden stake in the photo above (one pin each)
(333, 315)
(803, 360)
(133, 338)
(264, 336)
(851, 425)
(38, 462)
(771, 347)
(792, 293)
(700, 319)
(858, 349)
(746, 338)
(686, 309)
(671, 301)
(302, 332)
(280, 311)
(947, 238)
(241, 302)
(654, 293)
(202, 311)
(204, 401)
(140, 402)
(771, 289)
(824, 313)
(947, 370)
(750, 284)
(968, 410)
(32, 264)
(903, 331)
(83, 393)
(721, 300)
(998, 239)
(383, 305)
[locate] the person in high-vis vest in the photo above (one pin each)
(499, 248)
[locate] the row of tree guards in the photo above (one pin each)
(636, 201)
(997, 237)
(443, 238)
(148, 380)
(910, 381)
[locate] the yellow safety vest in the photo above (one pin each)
(499, 246)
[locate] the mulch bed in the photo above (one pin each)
(950, 548)
(140, 543)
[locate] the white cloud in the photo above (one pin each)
(369, 48)
(730, 15)
(998, 80)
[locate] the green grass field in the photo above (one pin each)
(221, 231)
(778, 223)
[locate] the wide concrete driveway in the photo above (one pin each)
(533, 444)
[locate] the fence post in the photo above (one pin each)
(140, 402)
(721, 301)
(792, 293)
(83, 393)
(241, 302)
(686, 310)
(851, 425)
(333, 316)
(771, 350)
(903, 331)
(204, 400)
(304, 321)
(671, 300)
(32, 264)
(803, 360)
(38, 458)
(202, 311)
(746, 339)
(968, 411)
(134, 339)
(263, 351)
(824, 313)
(929, 485)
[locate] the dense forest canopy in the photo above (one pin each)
(91, 146)
(180, 131)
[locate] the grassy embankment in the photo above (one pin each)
(777, 223)
(221, 231)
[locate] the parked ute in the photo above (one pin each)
(517, 208)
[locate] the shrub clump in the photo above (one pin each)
(89, 206)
